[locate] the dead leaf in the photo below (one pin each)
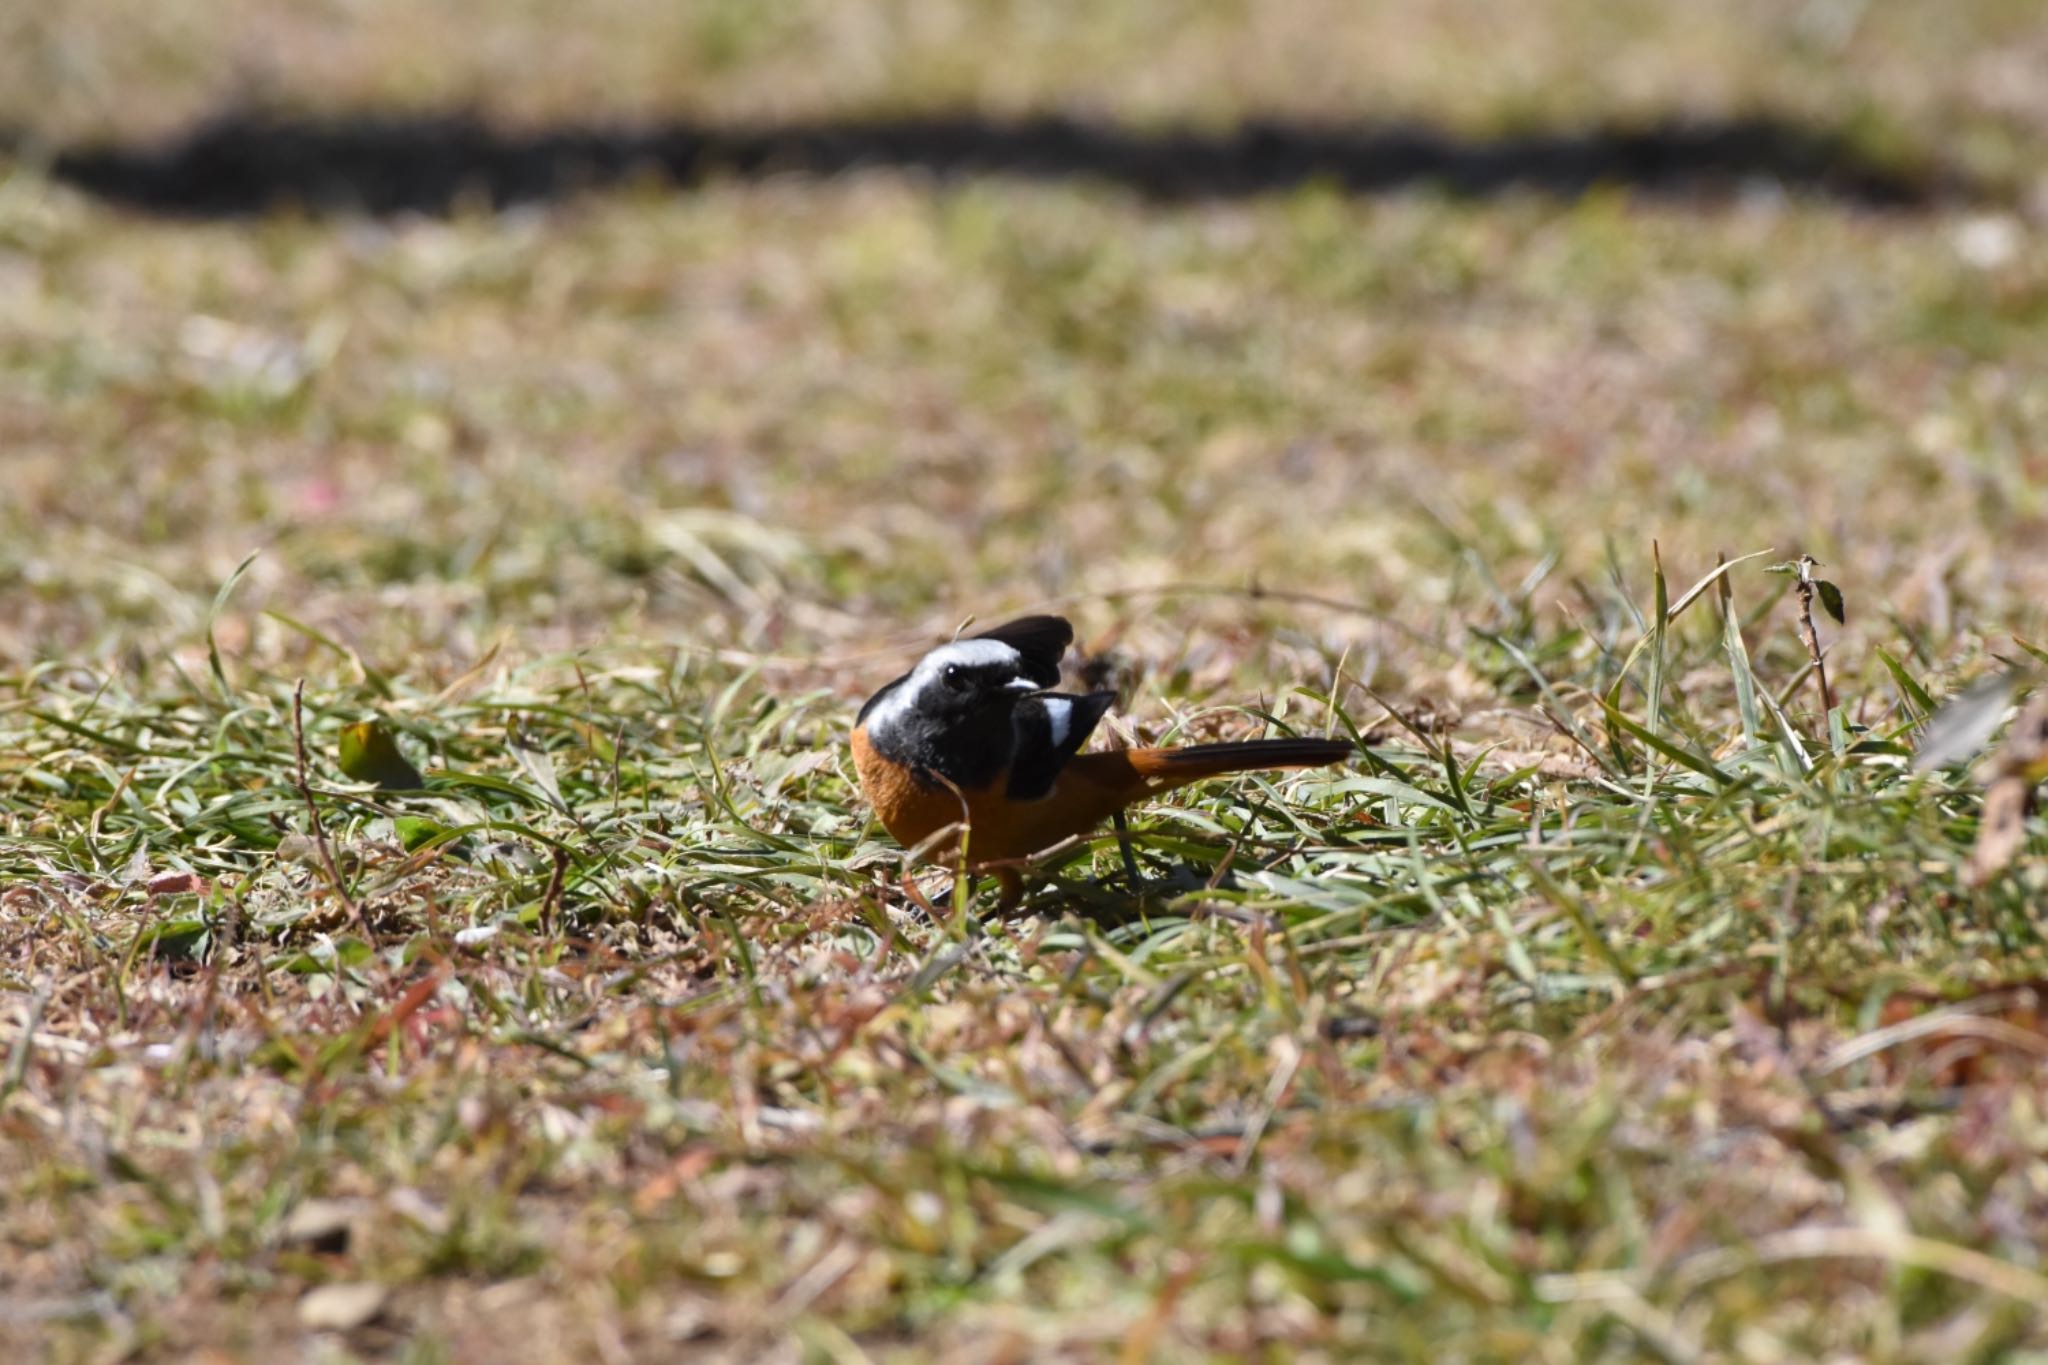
(2009, 782)
(342, 1307)
(370, 754)
(321, 1224)
(1965, 723)
(1831, 600)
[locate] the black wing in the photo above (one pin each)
(1050, 730)
(1041, 640)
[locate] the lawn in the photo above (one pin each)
(1447, 375)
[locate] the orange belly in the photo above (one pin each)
(1091, 788)
(1088, 790)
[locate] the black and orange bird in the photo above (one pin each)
(975, 737)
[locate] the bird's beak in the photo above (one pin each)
(1023, 687)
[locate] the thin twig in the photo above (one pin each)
(552, 900)
(224, 941)
(1809, 635)
(25, 1045)
(355, 911)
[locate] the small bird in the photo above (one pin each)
(975, 736)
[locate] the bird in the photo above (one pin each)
(976, 739)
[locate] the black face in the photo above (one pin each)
(952, 714)
(965, 691)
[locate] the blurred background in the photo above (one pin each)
(764, 323)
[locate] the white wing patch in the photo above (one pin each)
(1060, 712)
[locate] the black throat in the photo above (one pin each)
(969, 751)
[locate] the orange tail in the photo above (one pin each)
(1093, 787)
(1131, 773)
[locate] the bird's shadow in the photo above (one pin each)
(250, 162)
(1114, 900)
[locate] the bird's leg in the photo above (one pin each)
(1123, 844)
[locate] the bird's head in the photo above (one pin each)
(957, 684)
(972, 682)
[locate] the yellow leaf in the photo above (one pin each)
(370, 754)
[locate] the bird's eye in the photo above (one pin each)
(955, 676)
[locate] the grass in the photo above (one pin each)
(1619, 1003)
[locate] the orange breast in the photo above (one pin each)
(1092, 787)
(912, 811)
